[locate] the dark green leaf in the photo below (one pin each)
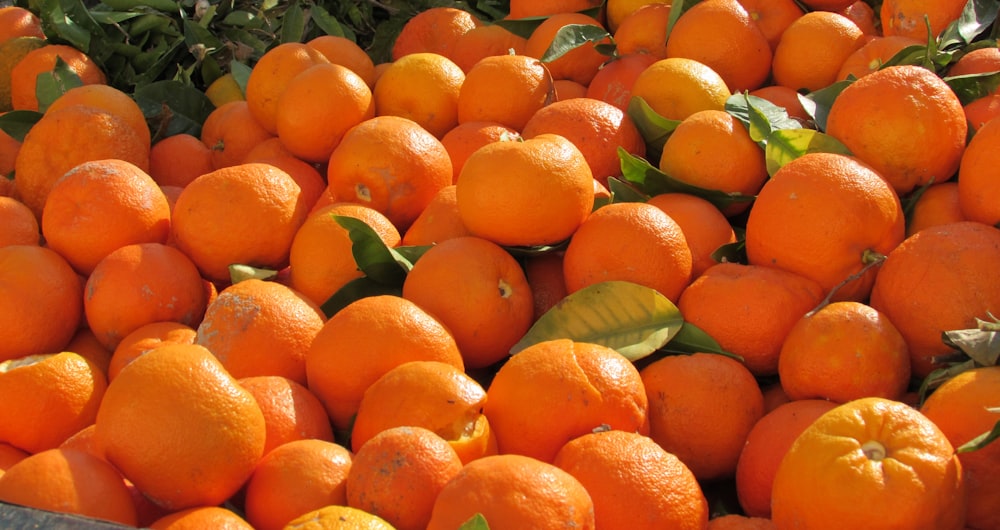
(195, 35)
(652, 181)
(622, 191)
(355, 290)
(571, 37)
(817, 104)
(760, 116)
(982, 440)
(971, 87)
(731, 253)
(677, 9)
(17, 123)
(326, 22)
(977, 17)
(241, 73)
(785, 145)
(937, 377)
(374, 258)
(916, 54)
(174, 107)
(68, 21)
(476, 522)
(293, 23)
(655, 129)
(412, 253)
(692, 339)
(525, 252)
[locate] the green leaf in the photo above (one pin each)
(522, 27)
(785, 145)
(655, 129)
(476, 522)
(241, 73)
(630, 318)
(976, 17)
(621, 191)
(571, 37)
(328, 23)
(677, 9)
(760, 116)
(651, 181)
(17, 123)
(173, 107)
(971, 87)
(982, 440)
(355, 290)
(731, 253)
(909, 202)
(817, 103)
(377, 261)
(937, 377)
(293, 23)
(70, 21)
(692, 339)
(50, 85)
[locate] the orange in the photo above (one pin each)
(67, 137)
(978, 193)
(13, 50)
(24, 75)
(224, 89)
(19, 224)
(270, 76)
(569, 89)
(145, 338)
(363, 341)
(979, 111)
(540, 8)
(921, 105)
(766, 444)
(392, 164)
(485, 40)
(677, 87)
(10, 455)
(198, 517)
(40, 279)
(85, 344)
(712, 149)
(490, 306)
(938, 280)
(634, 482)
(465, 138)
(772, 17)
(787, 99)
(438, 221)
(513, 491)
(870, 463)
(258, 327)
(434, 395)
(180, 428)
(644, 31)
(100, 206)
(291, 411)
(598, 129)
(69, 481)
(843, 211)
(774, 395)
(937, 205)
(544, 273)
(63, 388)
(827, 5)
(618, 11)
(796, 63)
(17, 21)
(735, 521)
(613, 82)
(434, 30)
(345, 52)
(529, 193)
(704, 226)
(295, 478)
(177, 160)
(978, 61)
(959, 407)
(311, 183)
(907, 17)
(587, 386)
(579, 64)
(321, 261)
(9, 148)
(139, 284)
(816, 361)
(231, 132)
(722, 35)
(506, 89)
(863, 14)
(268, 149)
(244, 214)
(317, 108)
(398, 473)
(335, 517)
(423, 87)
(109, 98)
(701, 408)
(635, 242)
(872, 55)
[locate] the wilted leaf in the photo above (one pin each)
(981, 345)
(476, 522)
(239, 272)
(355, 290)
(982, 440)
(785, 145)
(571, 37)
(651, 181)
(630, 318)
(376, 260)
(692, 339)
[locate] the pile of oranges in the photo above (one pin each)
(170, 358)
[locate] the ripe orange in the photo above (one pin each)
(870, 456)
(579, 64)
(438, 221)
(979, 111)
(677, 87)
(540, 8)
(423, 87)
(434, 30)
(346, 52)
(9, 147)
(704, 226)
(613, 82)
(335, 517)
(630, 241)
(485, 40)
(145, 338)
(937, 205)
(398, 473)
(295, 478)
(796, 64)
(85, 344)
(544, 273)
(772, 17)
(291, 411)
(465, 138)
(588, 385)
(16, 21)
(24, 75)
(311, 182)
(506, 89)
(863, 14)
(978, 193)
(827, 5)
(916, 103)
(529, 193)
(906, 17)
(644, 31)
(216, 517)
(177, 160)
(568, 89)
(872, 55)
(787, 99)
(491, 307)
(10, 455)
(270, 76)
(107, 98)
(19, 224)
(231, 132)
(634, 482)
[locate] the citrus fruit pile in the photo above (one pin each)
(710, 264)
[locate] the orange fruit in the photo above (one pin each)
(934, 141)
(701, 408)
(465, 138)
(868, 456)
(40, 279)
(19, 224)
(787, 99)
(139, 284)
(321, 261)
(959, 407)
(224, 89)
(109, 98)
(24, 75)
(774, 395)
(977, 191)
(270, 76)
(506, 89)
(295, 478)
(979, 111)
(216, 517)
(540, 8)
(735, 521)
(345, 52)
(63, 388)
(258, 327)
(311, 182)
(243, 214)
(766, 444)
(291, 411)
(613, 82)
(579, 64)
(712, 149)
(391, 164)
(398, 473)
(434, 30)
(366, 339)
(100, 206)
(772, 17)
(318, 106)
(13, 50)
(938, 280)
(677, 87)
(529, 193)
(843, 210)
(643, 31)
(815, 364)
(598, 129)
(704, 226)
(863, 14)
(827, 5)
(617, 11)
(434, 395)
(796, 64)
(634, 482)
(85, 344)
(937, 205)
(16, 21)
(231, 132)
(513, 491)
(65, 138)
(722, 35)
(872, 55)
(544, 273)
(177, 160)
(180, 428)
(593, 385)
(145, 338)
(485, 40)
(568, 89)
(423, 87)
(907, 17)
(9, 147)
(438, 221)
(491, 307)
(635, 242)
(978, 61)
(10, 455)
(69, 481)
(335, 517)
